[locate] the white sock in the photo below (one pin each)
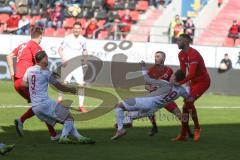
(81, 97)
(119, 117)
(67, 127)
(75, 133)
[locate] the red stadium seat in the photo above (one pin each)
(60, 32)
(229, 42)
(121, 13)
(237, 43)
(103, 35)
(49, 32)
(101, 23)
(82, 21)
(134, 15)
(4, 17)
(68, 22)
(68, 31)
(142, 5)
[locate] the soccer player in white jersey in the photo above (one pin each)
(72, 46)
(166, 92)
(36, 79)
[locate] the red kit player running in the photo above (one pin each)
(25, 58)
(191, 63)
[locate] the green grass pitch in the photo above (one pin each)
(220, 122)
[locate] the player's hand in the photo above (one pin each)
(12, 77)
(143, 64)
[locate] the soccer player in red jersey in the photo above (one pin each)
(25, 58)
(192, 64)
(161, 71)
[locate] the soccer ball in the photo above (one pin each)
(74, 10)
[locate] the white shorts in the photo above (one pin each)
(142, 104)
(77, 75)
(51, 112)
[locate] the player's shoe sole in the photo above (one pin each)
(19, 127)
(119, 134)
(6, 149)
(153, 131)
(196, 135)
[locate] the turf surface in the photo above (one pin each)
(220, 133)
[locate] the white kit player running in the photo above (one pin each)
(36, 79)
(74, 45)
(166, 92)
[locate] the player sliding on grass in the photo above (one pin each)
(25, 58)
(157, 71)
(165, 93)
(36, 79)
(192, 64)
(5, 148)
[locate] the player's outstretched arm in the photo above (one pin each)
(65, 88)
(10, 64)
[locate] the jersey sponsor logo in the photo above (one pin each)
(165, 76)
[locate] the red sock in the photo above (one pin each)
(51, 130)
(185, 120)
(27, 115)
(153, 120)
(193, 113)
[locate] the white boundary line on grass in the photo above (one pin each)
(3, 106)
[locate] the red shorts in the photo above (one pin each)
(171, 106)
(23, 91)
(197, 89)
